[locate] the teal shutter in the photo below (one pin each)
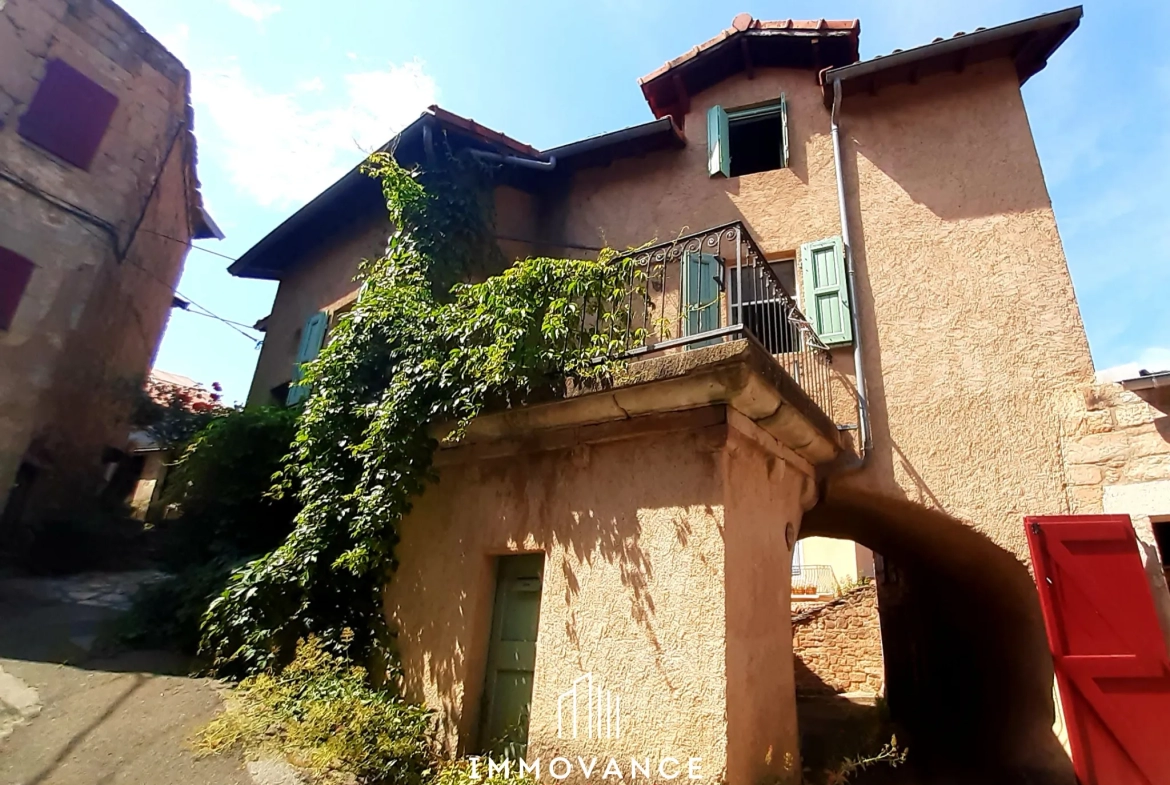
(783, 132)
(312, 336)
(718, 142)
(826, 295)
(700, 300)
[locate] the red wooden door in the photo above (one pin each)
(1110, 658)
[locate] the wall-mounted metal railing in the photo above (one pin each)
(717, 285)
(813, 580)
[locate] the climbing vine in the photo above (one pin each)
(424, 346)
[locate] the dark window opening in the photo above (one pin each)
(15, 272)
(1162, 537)
(764, 310)
(756, 144)
(279, 393)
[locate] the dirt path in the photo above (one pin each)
(70, 718)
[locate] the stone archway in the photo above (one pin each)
(968, 672)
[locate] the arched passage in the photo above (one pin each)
(968, 673)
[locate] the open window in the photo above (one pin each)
(767, 291)
(749, 140)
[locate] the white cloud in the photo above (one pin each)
(1152, 358)
(314, 85)
(280, 151)
(253, 9)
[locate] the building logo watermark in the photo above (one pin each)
(589, 709)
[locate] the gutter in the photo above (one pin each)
(863, 425)
(1147, 381)
(515, 160)
(630, 134)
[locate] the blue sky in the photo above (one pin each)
(289, 94)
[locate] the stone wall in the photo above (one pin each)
(1117, 460)
(1116, 438)
(838, 646)
(106, 240)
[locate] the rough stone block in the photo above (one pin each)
(1149, 442)
(1082, 474)
(1095, 448)
(1085, 499)
(1135, 414)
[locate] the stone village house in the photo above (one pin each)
(99, 201)
(873, 338)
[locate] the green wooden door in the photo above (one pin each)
(512, 655)
(700, 301)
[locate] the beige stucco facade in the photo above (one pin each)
(976, 359)
(664, 535)
(106, 244)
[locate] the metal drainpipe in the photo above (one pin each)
(851, 275)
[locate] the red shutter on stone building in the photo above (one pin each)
(1107, 647)
(68, 115)
(15, 272)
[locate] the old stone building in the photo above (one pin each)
(843, 251)
(99, 201)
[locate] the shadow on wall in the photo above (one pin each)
(971, 154)
(834, 727)
(968, 669)
(480, 510)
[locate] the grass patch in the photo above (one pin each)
(323, 715)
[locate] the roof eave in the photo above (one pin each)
(1030, 53)
(246, 266)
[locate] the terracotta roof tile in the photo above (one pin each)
(481, 131)
(743, 23)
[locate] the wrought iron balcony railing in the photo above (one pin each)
(717, 285)
(810, 581)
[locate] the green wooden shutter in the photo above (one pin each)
(312, 336)
(700, 300)
(718, 142)
(826, 295)
(783, 132)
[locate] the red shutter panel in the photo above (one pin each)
(1107, 647)
(68, 115)
(15, 273)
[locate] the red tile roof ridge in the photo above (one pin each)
(744, 23)
(481, 131)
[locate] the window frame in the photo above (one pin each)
(719, 123)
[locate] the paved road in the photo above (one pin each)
(69, 717)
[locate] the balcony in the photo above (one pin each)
(686, 294)
(813, 582)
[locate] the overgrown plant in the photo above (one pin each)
(323, 715)
(226, 516)
(421, 347)
(889, 755)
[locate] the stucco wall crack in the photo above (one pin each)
(625, 414)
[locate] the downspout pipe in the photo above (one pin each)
(515, 160)
(864, 432)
